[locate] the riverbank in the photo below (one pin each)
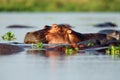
(60, 5)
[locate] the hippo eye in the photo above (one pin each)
(54, 26)
(69, 31)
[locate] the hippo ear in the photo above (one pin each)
(46, 27)
(69, 31)
(54, 25)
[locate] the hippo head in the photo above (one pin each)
(61, 34)
(55, 34)
(115, 35)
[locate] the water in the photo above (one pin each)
(24, 66)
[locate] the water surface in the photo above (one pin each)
(24, 66)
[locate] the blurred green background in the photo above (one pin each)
(60, 5)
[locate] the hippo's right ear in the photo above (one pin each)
(55, 26)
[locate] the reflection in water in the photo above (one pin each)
(47, 53)
(56, 54)
(53, 64)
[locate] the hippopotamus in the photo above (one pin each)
(106, 24)
(19, 26)
(64, 34)
(59, 33)
(7, 49)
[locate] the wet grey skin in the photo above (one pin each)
(7, 49)
(19, 26)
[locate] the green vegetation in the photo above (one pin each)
(9, 36)
(113, 51)
(38, 46)
(70, 51)
(90, 44)
(59, 5)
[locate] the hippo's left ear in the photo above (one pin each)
(69, 31)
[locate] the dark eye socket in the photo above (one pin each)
(55, 26)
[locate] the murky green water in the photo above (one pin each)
(24, 66)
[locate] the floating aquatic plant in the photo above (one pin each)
(70, 51)
(90, 44)
(9, 36)
(113, 51)
(39, 45)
